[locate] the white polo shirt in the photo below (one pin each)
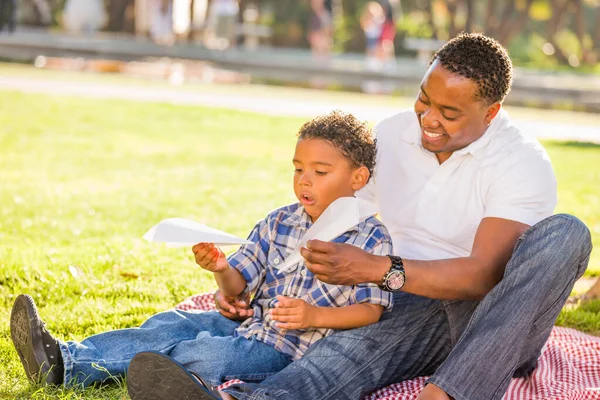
(432, 211)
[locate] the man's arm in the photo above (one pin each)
(291, 313)
(465, 278)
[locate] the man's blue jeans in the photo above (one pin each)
(470, 348)
(202, 342)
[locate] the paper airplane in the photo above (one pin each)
(179, 232)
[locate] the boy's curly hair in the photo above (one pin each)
(481, 59)
(352, 138)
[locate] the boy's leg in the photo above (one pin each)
(412, 340)
(104, 355)
(108, 354)
(212, 360)
(219, 359)
(512, 323)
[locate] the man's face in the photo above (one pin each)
(322, 175)
(450, 114)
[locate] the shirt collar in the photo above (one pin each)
(299, 218)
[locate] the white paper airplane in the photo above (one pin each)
(179, 232)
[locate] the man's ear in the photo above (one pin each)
(491, 113)
(360, 176)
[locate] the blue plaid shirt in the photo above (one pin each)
(276, 237)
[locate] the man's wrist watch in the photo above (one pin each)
(395, 278)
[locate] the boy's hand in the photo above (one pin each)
(235, 308)
(210, 257)
(293, 313)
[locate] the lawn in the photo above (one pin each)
(83, 179)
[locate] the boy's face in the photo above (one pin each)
(322, 174)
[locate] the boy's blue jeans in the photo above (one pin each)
(470, 348)
(202, 342)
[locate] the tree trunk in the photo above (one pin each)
(505, 22)
(491, 21)
(452, 9)
(517, 26)
(559, 8)
(470, 5)
(429, 11)
(579, 21)
(596, 34)
(116, 14)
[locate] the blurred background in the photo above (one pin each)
(372, 46)
(116, 114)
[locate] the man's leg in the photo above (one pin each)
(411, 340)
(512, 323)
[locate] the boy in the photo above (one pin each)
(334, 157)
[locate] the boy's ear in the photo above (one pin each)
(360, 177)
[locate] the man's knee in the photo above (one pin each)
(567, 229)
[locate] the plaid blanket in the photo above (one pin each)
(568, 369)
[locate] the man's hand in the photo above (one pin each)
(210, 257)
(293, 313)
(343, 264)
(236, 309)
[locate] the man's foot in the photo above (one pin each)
(155, 376)
(37, 348)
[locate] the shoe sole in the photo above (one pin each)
(154, 376)
(25, 332)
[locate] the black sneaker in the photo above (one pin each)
(37, 348)
(154, 376)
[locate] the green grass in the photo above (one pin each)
(83, 179)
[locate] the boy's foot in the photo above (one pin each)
(155, 376)
(37, 348)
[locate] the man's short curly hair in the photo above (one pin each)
(351, 137)
(480, 59)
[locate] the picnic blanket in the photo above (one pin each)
(568, 369)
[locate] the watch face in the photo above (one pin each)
(396, 280)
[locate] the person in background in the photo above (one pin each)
(372, 22)
(391, 9)
(320, 30)
(224, 14)
(8, 15)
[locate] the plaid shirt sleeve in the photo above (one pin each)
(369, 292)
(251, 259)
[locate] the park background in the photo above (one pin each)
(105, 131)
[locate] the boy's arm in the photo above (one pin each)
(230, 281)
(353, 316)
(291, 313)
